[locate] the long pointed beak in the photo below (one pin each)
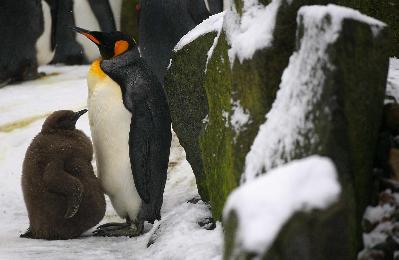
(79, 30)
(86, 33)
(79, 114)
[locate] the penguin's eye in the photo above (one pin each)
(120, 47)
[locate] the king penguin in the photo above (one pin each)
(25, 29)
(131, 130)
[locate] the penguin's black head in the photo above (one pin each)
(62, 120)
(110, 44)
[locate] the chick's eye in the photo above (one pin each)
(120, 47)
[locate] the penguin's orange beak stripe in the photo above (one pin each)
(92, 38)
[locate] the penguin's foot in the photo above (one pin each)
(4, 83)
(113, 225)
(27, 234)
(119, 230)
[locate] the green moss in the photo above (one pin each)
(384, 10)
(239, 5)
(217, 137)
(184, 86)
(361, 89)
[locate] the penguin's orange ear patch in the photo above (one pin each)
(120, 47)
(92, 38)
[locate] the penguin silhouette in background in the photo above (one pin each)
(45, 45)
(26, 39)
(131, 130)
(62, 195)
(101, 15)
(164, 22)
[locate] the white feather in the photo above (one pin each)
(116, 6)
(85, 18)
(44, 54)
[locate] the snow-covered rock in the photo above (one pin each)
(230, 98)
(263, 206)
(323, 107)
(290, 122)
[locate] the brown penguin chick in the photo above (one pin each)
(62, 195)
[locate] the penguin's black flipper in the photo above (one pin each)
(198, 10)
(149, 144)
(61, 182)
(103, 12)
(139, 149)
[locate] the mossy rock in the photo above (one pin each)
(184, 86)
(384, 10)
(253, 85)
(345, 123)
(217, 137)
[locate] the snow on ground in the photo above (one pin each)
(265, 204)
(23, 108)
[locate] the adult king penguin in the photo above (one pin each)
(131, 131)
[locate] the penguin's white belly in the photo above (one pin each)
(44, 54)
(110, 126)
(85, 18)
(116, 7)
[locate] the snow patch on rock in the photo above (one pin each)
(239, 118)
(340, 13)
(378, 213)
(214, 23)
(379, 234)
(264, 205)
(253, 30)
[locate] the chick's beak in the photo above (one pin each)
(79, 114)
(86, 33)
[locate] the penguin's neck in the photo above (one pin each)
(95, 75)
